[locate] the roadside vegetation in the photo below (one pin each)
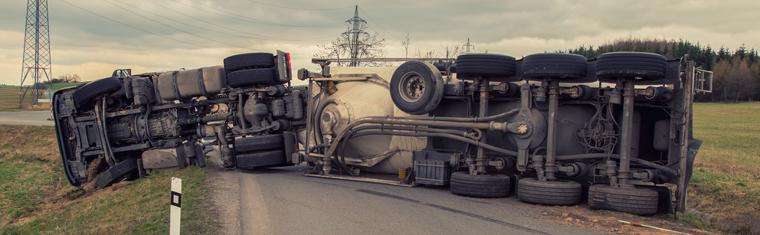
(35, 196)
(725, 187)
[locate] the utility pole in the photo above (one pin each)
(358, 25)
(35, 61)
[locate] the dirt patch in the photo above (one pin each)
(613, 222)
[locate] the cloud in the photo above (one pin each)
(157, 35)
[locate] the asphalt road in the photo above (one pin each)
(26, 118)
(283, 201)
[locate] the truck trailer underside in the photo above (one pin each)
(614, 131)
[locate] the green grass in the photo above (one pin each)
(726, 180)
(35, 196)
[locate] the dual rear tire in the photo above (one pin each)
(481, 186)
(251, 69)
(554, 193)
(634, 200)
(258, 152)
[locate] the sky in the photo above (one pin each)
(92, 38)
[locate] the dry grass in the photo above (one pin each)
(9, 96)
(35, 196)
(726, 181)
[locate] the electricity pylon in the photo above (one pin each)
(35, 64)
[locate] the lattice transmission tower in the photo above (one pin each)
(35, 65)
(354, 35)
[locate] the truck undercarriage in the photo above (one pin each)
(614, 130)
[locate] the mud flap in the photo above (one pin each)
(115, 173)
(694, 146)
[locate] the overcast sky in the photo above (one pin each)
(92, 38)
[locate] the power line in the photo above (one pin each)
(299, 9)
(124, 24)
(171, 26)
(231, 30)
(225, 12)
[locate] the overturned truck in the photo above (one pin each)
(248, 108)
(556, 129)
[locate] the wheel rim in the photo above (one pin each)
(412, 87)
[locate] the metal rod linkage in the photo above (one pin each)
(551, 138)
(627, 130)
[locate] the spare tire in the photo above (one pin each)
(248, 61)
(556, 66)
(490, 66)
(249, 77)
(85, 96)
(631, 66)
(417, 87)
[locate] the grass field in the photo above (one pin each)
(9, 97)
(35, 196)
(725, 187)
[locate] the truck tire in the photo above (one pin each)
(490, 66)
(251, 161)
(639, 201)
(115, 173)
(248, 61)
(85, 96)
(259, 143)
(630, 66)
(554, 193)
(417, 87)
(249, 77)
(482, 186)
(556, 66)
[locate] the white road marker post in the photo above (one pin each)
(175, 213)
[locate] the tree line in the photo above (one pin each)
(736, 72)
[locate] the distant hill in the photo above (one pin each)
(737, 72)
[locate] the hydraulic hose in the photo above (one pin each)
(441, 135)
(403, 121)
(614, 156)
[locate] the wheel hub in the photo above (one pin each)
(412, 88)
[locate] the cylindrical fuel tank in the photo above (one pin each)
(191, 83)
(353, 100)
